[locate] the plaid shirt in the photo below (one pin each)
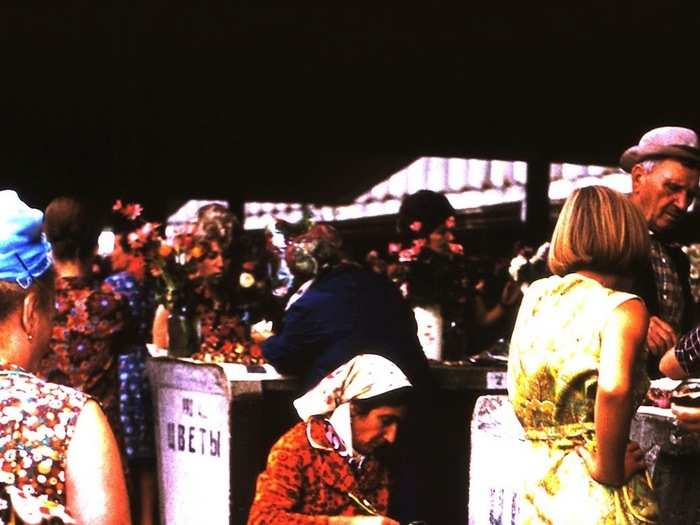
(668, 286)
(688, 351)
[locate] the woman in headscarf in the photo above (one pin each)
(327, 468)
(57, 447)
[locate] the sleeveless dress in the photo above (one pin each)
(552, 382)
(37, 421)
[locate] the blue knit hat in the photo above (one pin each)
(25, 254)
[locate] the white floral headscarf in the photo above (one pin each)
(364, 376)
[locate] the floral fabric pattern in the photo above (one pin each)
(90, 328)
(223, 335)
(303, 485)
(37, 421)
(552, 382)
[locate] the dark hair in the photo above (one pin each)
(398, 397)
(71, 229)
(427, 209)
(12, 294)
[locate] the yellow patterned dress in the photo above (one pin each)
(552, 380)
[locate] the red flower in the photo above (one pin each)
(131, 211)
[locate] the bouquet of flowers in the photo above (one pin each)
(170, 265)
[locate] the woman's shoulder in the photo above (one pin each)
(293, 447)
(29, 389)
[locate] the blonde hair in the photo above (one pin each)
(601, 230)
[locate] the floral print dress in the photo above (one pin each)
(37, 421)
(91, 327)
(552, 381)
(223, 335)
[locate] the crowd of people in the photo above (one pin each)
(607, 308)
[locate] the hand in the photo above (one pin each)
(660, 336)
(511, 293)
(261, 331)
(634, 462)
(688, 417)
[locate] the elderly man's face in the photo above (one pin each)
(376, 428)
(664, 193)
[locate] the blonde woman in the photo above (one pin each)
(576, 368)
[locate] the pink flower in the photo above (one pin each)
(415, 226)
(394, 247)
(450, 222)
(456, 248)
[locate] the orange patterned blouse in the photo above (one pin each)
(304, 485)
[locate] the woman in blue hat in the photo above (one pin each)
(57, 451)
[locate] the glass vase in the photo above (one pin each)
(183, 332)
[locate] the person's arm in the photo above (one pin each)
(684, 359)
(160, 327)
(510, 295)
(616, 459)
(95, 487)
(670, 367)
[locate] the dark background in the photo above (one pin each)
(266, 101)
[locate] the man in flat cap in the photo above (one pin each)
(665, 169)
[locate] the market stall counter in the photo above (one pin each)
(215, 424)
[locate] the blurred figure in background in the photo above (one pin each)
(340, 310)
(215, 281)
(57, 445)
(129, 278)
(92, 323)
(433, 272)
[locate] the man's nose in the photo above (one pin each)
(390, 434)
(683, 200)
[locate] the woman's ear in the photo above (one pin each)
(30, 313)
